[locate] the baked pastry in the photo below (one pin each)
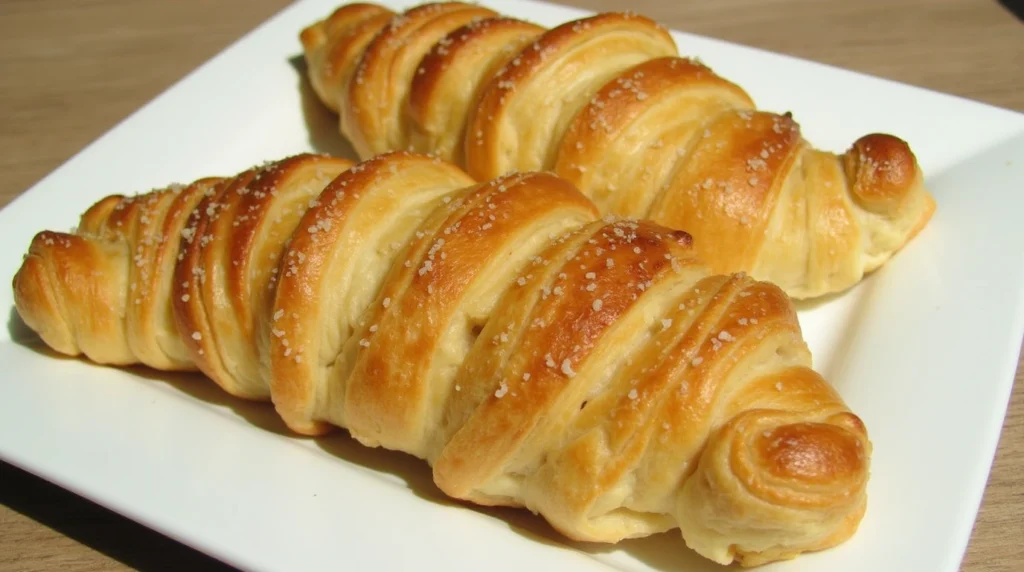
(532, 352)
(606, 103)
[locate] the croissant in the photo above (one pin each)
(606, 103)
(533, 353)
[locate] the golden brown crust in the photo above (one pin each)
(807, 466)
(519, 120)
(590, 370)
(54, 296)
(835, 219)
(358, 225)
(563, 311)
(191, 317)
(378, 91)
(343, 56)
(342, 19)
(459, 260)
(124, 251)
(174, 222)
(881, 170)
(332, 47)
(450, 78)
(224, 279)
(93, 220)
(683, 387)
(809, 453)
(149, 282)
(36, 298)
(727, 188)
(623, 146)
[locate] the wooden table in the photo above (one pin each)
(70, 70)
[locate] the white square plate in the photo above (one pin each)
(924, 350)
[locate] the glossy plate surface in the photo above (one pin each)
(924, 350)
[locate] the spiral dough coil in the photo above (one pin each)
(606, 103)
(536, 354)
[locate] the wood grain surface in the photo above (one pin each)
(70, 70)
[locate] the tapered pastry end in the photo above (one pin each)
(883, 174)
(36, 300)
(68, 291)
(318, 33)
(766, 467)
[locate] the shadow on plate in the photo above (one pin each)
(106, 534)
(92, 525)
(662, 551)
(665, 551)
(103, 530)
(321, 122)
(193, 384)
(833, 370)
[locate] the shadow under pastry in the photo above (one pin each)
(321, 122)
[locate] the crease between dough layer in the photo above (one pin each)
(607, 103)
(534, 353)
